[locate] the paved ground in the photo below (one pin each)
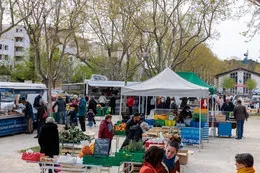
(217, 156)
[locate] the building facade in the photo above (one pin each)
(240, 76)
(13, 45)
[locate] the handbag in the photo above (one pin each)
(45, 114)
(34, 156)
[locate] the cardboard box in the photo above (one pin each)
(220, 118)
(183, 156)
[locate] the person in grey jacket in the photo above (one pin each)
(240, 115)
(61, 114)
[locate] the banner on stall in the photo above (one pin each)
(190, 135)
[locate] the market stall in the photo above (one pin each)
(12, 119)
(170, 84)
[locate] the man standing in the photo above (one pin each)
(130, 103)
(112, 104)
(92, 104)
(240, 115)
(227, 107)
(36, 103)
(102, 100)
(61, 114)
(82, 113)
(28, 112)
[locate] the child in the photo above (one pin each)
(90, 116)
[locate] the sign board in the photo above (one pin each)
(190, 135)
(101, 147)
(13, 125)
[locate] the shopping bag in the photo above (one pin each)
(45, 114)
(32, 156)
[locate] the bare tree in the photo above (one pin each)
(51, 27)
(7, 10)
(173, 29)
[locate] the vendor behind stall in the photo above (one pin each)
(185, 113)
(131, 122)
(135, 133)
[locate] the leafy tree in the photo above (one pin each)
(228, 83)
(250, 84)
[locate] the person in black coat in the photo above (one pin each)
(92, 104)
(49, 138)
(185, 113)
(112, 104)
(40, 119)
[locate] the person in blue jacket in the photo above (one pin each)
(82, 110)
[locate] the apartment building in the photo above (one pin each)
(13, 45)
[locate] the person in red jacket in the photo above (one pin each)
(106, 129)
(152, 158)
(130, 103)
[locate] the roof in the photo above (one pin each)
(109, 83)
(237, 69)
(166, 83)
(16, 85)
(193, 78)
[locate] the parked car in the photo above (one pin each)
(243, 97)
(55, 93)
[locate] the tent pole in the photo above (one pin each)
(146, 98)
(143, 104)
(139, 105)
(155, 102)
(200, 125)
(120, 107)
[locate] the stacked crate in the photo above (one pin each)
(225, 129)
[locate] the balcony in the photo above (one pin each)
(18, 53)
(19, 44)
(19, 34)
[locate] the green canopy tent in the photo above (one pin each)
(193, 78)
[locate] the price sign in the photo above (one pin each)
(190, 135)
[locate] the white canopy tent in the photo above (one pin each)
(166, 83)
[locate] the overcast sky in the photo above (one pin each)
(232, 43)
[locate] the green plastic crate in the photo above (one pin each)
(159, 122)
(125, 156)
(196, 117)
(120, 133)
(102, 161)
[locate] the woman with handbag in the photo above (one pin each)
(41, 117)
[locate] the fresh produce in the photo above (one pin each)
(73, 135)
(92, 146)
(120, 127)
(85, 151)
(134, 146)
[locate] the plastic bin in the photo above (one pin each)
(196, 124)
(159, 123)
(120, 133)
(170, 122)
(225, 129)
(150, 122)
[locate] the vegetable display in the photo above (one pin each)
(134, 147)
(85, 151)
(73, 135)
(120, 127)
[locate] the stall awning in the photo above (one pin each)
(166, 83)
(193, 78)
(118, 84)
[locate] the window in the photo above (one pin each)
(234, 76)
(0, 46)
(6, 57)
(19, 39)
(1, 57)
(6, 47)
(19, 30)
(246, 76)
